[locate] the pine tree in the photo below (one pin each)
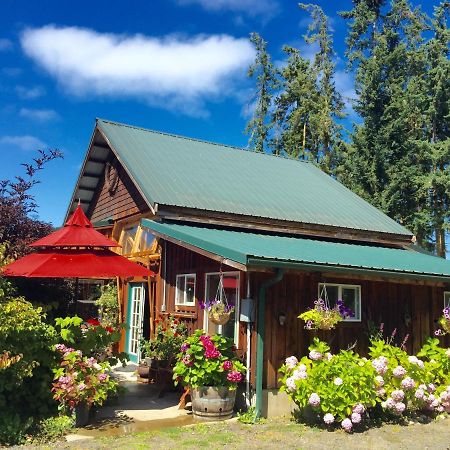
(309, 105)
(266, 82)
(396, 160)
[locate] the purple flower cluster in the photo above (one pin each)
(399, 372)
(344, 311)
(291, 362)
(184, 347)
(210, 304)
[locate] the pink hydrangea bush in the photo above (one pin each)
(345, 389)
(338, 388)
(208, 361)
(407, 383)
(81, 379)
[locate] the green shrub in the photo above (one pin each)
(108, 306)
(91, 338)
(25, 385)
(333, 387)
(52, 429)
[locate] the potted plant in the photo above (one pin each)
(208, 365)
(81, 382)
(323, 317)
(219, 310)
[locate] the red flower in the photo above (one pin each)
(93, 322)
(109, 329)
(175, 322)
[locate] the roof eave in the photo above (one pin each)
(254, 262)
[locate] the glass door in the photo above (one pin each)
(135, 316)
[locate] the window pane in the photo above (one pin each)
(446, 299)
(330, 292)
(179, 297)
(190, 290)
(128, 239)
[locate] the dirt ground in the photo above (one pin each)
(273, 434)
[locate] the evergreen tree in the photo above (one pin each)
(309, 105)
(266, 82)
(390, 161)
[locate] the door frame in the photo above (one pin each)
(134, 357)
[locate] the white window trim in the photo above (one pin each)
(236, 307)
(340, 286)
(446, 303)
(185, 275)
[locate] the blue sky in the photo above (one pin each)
(171, 65)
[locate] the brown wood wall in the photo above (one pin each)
(411, 309)
(124, 202)
(181, 261)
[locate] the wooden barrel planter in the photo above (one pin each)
(212, 403)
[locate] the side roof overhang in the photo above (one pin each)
(99, 152)
(252, 251)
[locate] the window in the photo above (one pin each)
(447, 299)
(231, 282)
(185, 291)
(349, 294)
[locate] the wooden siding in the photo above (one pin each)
(410, 309)
(124, 202)
(179, 260)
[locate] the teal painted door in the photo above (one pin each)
(135, 316)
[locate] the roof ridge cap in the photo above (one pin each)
(204, 141)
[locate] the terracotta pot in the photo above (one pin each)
(143, 370)
(212, 403)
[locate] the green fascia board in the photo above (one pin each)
(215, 248)
(178, 171)
(269, 250)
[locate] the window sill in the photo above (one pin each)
(181, 314)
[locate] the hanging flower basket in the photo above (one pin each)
(322, 316)
(219, 311)
(219, 318)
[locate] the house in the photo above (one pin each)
(279, 232)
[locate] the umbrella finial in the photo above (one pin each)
(79, 201)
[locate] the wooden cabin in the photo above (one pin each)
(281, 232)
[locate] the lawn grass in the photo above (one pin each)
(275, 434)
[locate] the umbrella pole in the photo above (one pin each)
(76, 296)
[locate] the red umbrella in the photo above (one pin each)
(75, 251)
(74, 263)
(77, 232)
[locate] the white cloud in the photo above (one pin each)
(30, 93)
(174, 72)
(40, 115)
(5, 45)
(263, 8)
(25, 142)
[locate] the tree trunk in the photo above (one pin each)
(440, 241)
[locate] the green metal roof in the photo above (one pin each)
(256, 249)
(177, 171)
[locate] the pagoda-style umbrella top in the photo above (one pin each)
(75, 251)
(77, 232)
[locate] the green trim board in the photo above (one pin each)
(177, 171)
(285, 251)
